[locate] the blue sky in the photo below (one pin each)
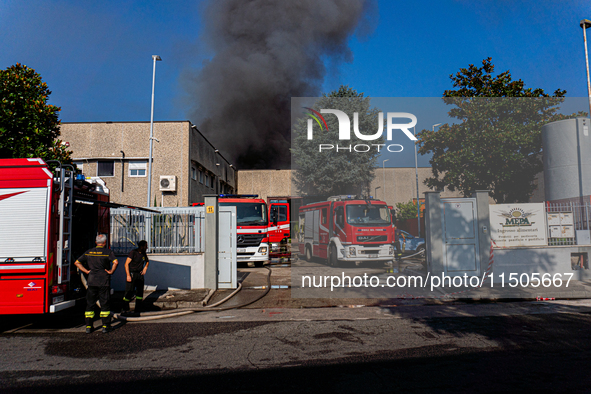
(96, 56)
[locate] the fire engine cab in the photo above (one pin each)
(346, 229)
(252, 227)
(47, 220)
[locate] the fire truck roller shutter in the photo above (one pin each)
(308, 234)
(23, 223)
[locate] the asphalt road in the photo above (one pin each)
(429, 348)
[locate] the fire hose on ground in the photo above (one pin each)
(422, 251)
(186, 311)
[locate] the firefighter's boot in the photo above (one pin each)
(88, 318)
(138, 305)
(106, 320)
(125, 307)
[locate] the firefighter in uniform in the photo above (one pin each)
(136, 266)
(99, 273)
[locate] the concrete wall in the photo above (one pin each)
(181, 147)
(539, 259)
(396, 184)
(265, 183)
(174, 271)
(399, 185)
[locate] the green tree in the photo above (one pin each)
(497, 144)
(330, 172)
(29, 126)
(406, 210)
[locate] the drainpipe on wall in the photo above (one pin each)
(122, 170)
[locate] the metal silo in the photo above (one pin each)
(567, 159)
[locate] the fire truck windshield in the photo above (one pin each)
(368, 215)
(248, 213)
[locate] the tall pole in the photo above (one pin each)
(417, 178)
(417, 175)
(384, 177)
(585, 24)
(155, 58)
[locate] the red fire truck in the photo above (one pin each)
(252, 224)
(47, 220)
(346, 229)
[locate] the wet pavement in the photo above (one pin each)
(354, 344)
(254, 281)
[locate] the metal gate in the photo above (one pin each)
(460, 236)
(171, 230)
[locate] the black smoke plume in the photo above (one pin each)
(267, 51)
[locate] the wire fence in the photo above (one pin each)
(172, 230)
(566, 222)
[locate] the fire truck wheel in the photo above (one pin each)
(308, 254)
(332, 258)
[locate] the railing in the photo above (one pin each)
(568, 218)
(172, 230)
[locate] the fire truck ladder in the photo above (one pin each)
(66, 203)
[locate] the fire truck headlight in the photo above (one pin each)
(391, 250)
(352, 251)
(263, 249)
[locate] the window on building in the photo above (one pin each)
(200, 176)
(193, 173)
(79, 165)
(137, 168)
(106, 168)
(207, 180)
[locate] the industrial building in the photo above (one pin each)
(185, 164)
(392, 185)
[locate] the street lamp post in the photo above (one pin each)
(417, 179)
(375, 193)
(155, 58)
(384, 178)
(585, 24)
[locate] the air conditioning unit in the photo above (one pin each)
(168, 183)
